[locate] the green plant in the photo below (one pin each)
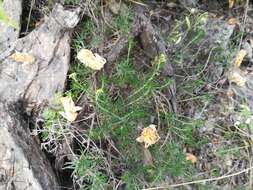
(124, 100)
(87, 172)
(120, 111)
(86, 36)
(124, 20)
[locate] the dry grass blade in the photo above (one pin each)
(201, 180)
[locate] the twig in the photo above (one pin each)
(201, 180)
(139, 3)
(29, 16)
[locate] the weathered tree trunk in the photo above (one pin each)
(38, 81)
(9, 34)
(22, 163)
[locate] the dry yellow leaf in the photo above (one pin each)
(70, 110)
(231, 3)
(149, 136)
(239, 57)
(191, 158)
(93, 61)
(235, 76)
(22, 57)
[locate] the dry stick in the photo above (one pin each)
(139, 3)
(249, 152)
(201, 180)
(29, 16)
(207, 61)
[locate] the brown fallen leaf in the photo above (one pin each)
(70, 110)
(239, 57)
(93, 61)
(22, 57)
(191, 157)
(149, 136)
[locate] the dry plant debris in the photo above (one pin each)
(149, 136)
(239, 57)
(231, 3)
(191, 157)
(233, 21)
(236, 75)
(91, 60)
(70, 110)
(251, 43)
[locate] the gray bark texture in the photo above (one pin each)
(9, 34)
(22, 163)
(37, 82)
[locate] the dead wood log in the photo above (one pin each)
(49, 44)
(22, 163)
